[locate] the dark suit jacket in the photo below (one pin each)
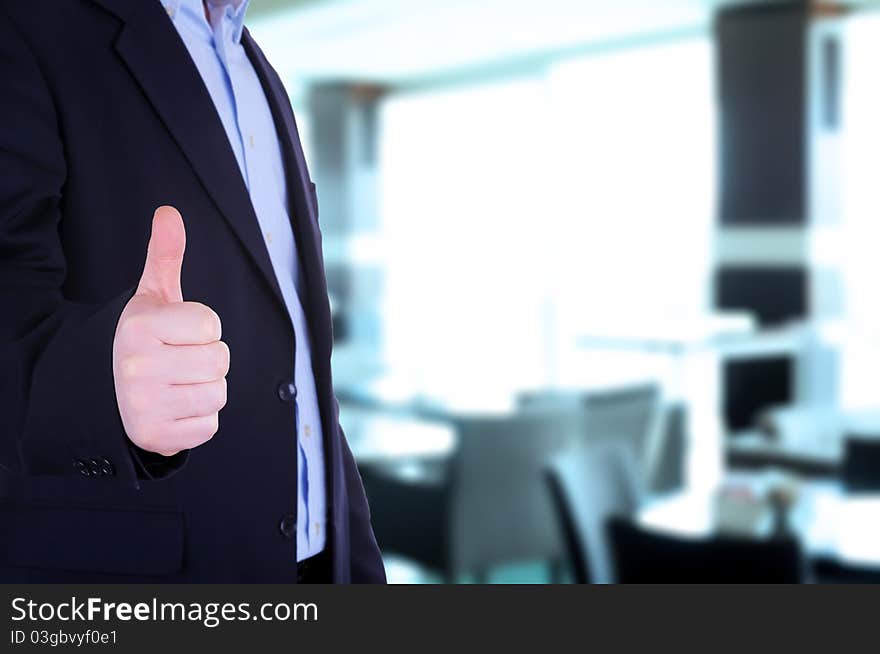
(104, 117)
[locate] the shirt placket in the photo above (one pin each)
(222, 45)
(308, 527)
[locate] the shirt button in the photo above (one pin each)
(307, 431)
(287, 391)
(287, 526)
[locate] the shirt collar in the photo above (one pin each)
(234, 10)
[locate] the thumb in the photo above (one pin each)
(161, 276)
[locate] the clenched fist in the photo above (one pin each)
(169, 364)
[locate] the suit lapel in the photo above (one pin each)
(303, 213)
(304, 218)
(160, 62)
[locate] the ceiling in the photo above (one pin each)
(408, 41)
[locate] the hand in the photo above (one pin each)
(169, 364)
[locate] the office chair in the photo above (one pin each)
(630, 416)
(646, 557)
(490, 507)
(589, 485)
(665, 468)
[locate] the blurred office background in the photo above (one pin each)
(605, 277)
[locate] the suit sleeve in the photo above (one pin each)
(57, 397)
(366, 559)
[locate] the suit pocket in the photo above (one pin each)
(92, 540)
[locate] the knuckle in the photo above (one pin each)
(203, 320)
(214, 326)
(219, 395)
(209, 322)
(223, 359)
(130, 367)
(155, 439)
(216, 361)
(209, 429)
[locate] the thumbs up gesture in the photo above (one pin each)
(169, 364)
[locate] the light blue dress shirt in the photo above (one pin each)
(215, 47)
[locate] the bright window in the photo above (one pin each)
(635, 161)
(861, 211)
(519, 215)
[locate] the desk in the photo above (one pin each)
(756, 450)
(393, 395)
(380, 438)
(807, 440)
(828, 522)
(387, 422)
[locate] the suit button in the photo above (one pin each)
(107, 467)
(94, 468)
(81, 467)
(287, 526)
(287, 391)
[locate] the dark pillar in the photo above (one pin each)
(343, 130)
(778, 68)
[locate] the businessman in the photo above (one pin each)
(165, 334)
